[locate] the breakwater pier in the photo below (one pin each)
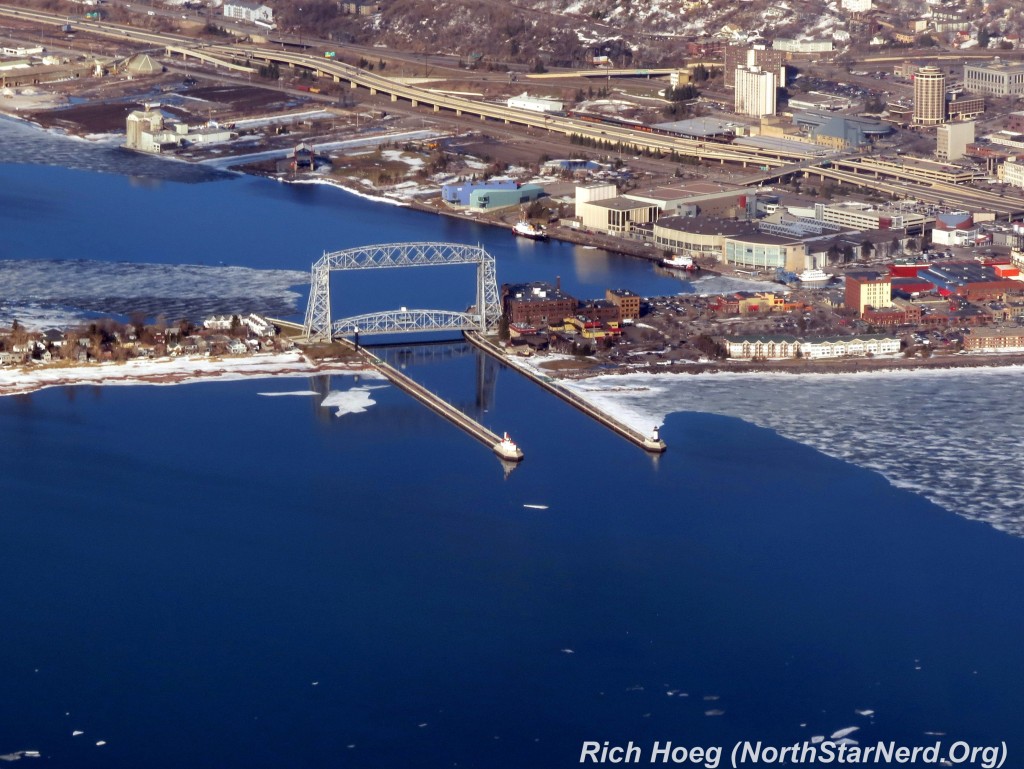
(648, 442)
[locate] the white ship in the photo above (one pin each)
(679, 262)
(814, 277)
(524, 229)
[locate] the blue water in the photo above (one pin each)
(181, 564)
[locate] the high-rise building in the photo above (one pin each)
(867, 289)
(951, 140)
(856, 6)
(755, 91)
(929, 96)
(759, 56)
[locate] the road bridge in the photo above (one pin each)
(200, 54)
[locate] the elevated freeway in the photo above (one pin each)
(242, 56)
(773, 161)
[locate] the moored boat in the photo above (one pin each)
(680, 262)
(813, 277)
(524, 229)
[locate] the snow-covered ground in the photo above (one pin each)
(164, 371)
(230, 161)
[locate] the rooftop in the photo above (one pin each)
(705, 225)
(687, 190)
(619, 204)
(998, 65)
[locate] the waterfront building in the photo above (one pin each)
(929, 96)
(784, 346)
(996, 78)
(867, 289)
(991, 339)
(952, 139)
(698, 235)
(145, 132)
(494, 200)
(459, 193)
(766, 251)
(849, 346)
(747, 347)
(537, 304)
(755, 91)
(615, 216)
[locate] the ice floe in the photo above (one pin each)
(354, 401)
(840, 733)
(59, 292)
(961, 467)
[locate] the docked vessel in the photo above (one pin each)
(813, 277)
(680, 262)
(524, 229)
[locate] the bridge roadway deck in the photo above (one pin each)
(439, 406)
(648, 443)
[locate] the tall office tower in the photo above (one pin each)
(929, 96)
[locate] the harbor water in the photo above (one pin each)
(205, 575)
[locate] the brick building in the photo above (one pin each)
(628, 302)
(536, 304)
(867, 289)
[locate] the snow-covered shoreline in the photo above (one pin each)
(351, 190)
(167, 371)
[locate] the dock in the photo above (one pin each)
(651, 443)
(503, 446)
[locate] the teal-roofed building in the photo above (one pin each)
(492, 199)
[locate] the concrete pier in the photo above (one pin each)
(651, 443)
(500, 445)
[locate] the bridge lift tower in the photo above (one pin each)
(482, 317)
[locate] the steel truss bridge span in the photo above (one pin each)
(483, 316)
(405, 321)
